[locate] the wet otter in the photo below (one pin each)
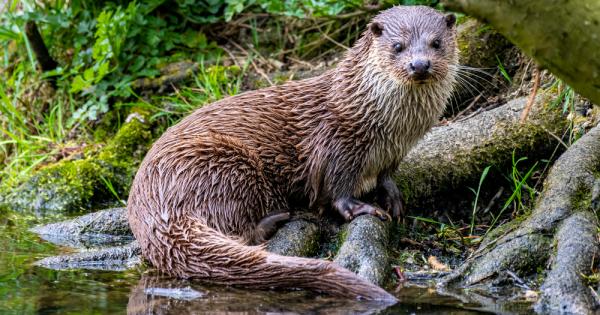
(209, 186)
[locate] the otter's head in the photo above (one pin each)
(414, 44)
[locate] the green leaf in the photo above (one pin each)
(88, 74)
(102, 71)
(79, 84)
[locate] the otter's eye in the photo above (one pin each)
(436, 44)
(398, 47)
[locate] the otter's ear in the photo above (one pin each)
(376, 28)
(450, 20)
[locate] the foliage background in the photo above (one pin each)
(103, 48)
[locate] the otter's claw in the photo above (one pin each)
(350, 208)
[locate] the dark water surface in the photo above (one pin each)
(25, 289)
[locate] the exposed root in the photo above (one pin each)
(564, 289)
(562, 223)
(451, 158)
(364, 250)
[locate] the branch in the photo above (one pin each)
(39, 48)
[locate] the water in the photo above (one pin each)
(26, 289)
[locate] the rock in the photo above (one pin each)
(364, 250)
(184, 294)
(295, 238)
(117, 258)
(106, 227)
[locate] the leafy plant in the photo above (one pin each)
(103, 47)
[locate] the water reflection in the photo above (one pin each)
(26, 289)
(221, 300)
(155, 294)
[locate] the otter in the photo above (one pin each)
(215, 185)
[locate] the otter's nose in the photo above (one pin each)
(420, 67)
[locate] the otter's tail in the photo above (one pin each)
(191, 249)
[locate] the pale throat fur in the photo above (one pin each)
(393, 113)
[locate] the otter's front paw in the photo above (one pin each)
(350, 208)
(390, 198)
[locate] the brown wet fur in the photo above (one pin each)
(200, 194)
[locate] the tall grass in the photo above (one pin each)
(474, 212)
(519, 182)
(210, 83)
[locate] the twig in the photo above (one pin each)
(232, 56)
(302, 62)
(256, 68)
(536, 85)
(518, 281)
(556, 137)
(316, 43)
(40, 50)
(331, 39)
(493, 200)
(367, 9)
(468, 107)
(480, 110)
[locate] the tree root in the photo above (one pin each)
(564, 290)
(562, 228)
(364, 249)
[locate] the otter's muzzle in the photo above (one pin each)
(419, 69)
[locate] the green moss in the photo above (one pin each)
(129, 143)
(106, 126)
(404, 187)
(223, 73)
(74, 185)
(341, 237)
(66, 185)
(282, 77)
(502, 230)
(582, 199)
(479, 44)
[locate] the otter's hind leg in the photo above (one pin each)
(269, 225)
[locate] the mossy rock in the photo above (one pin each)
(481, 46)
(75, 185)
(295, 238)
